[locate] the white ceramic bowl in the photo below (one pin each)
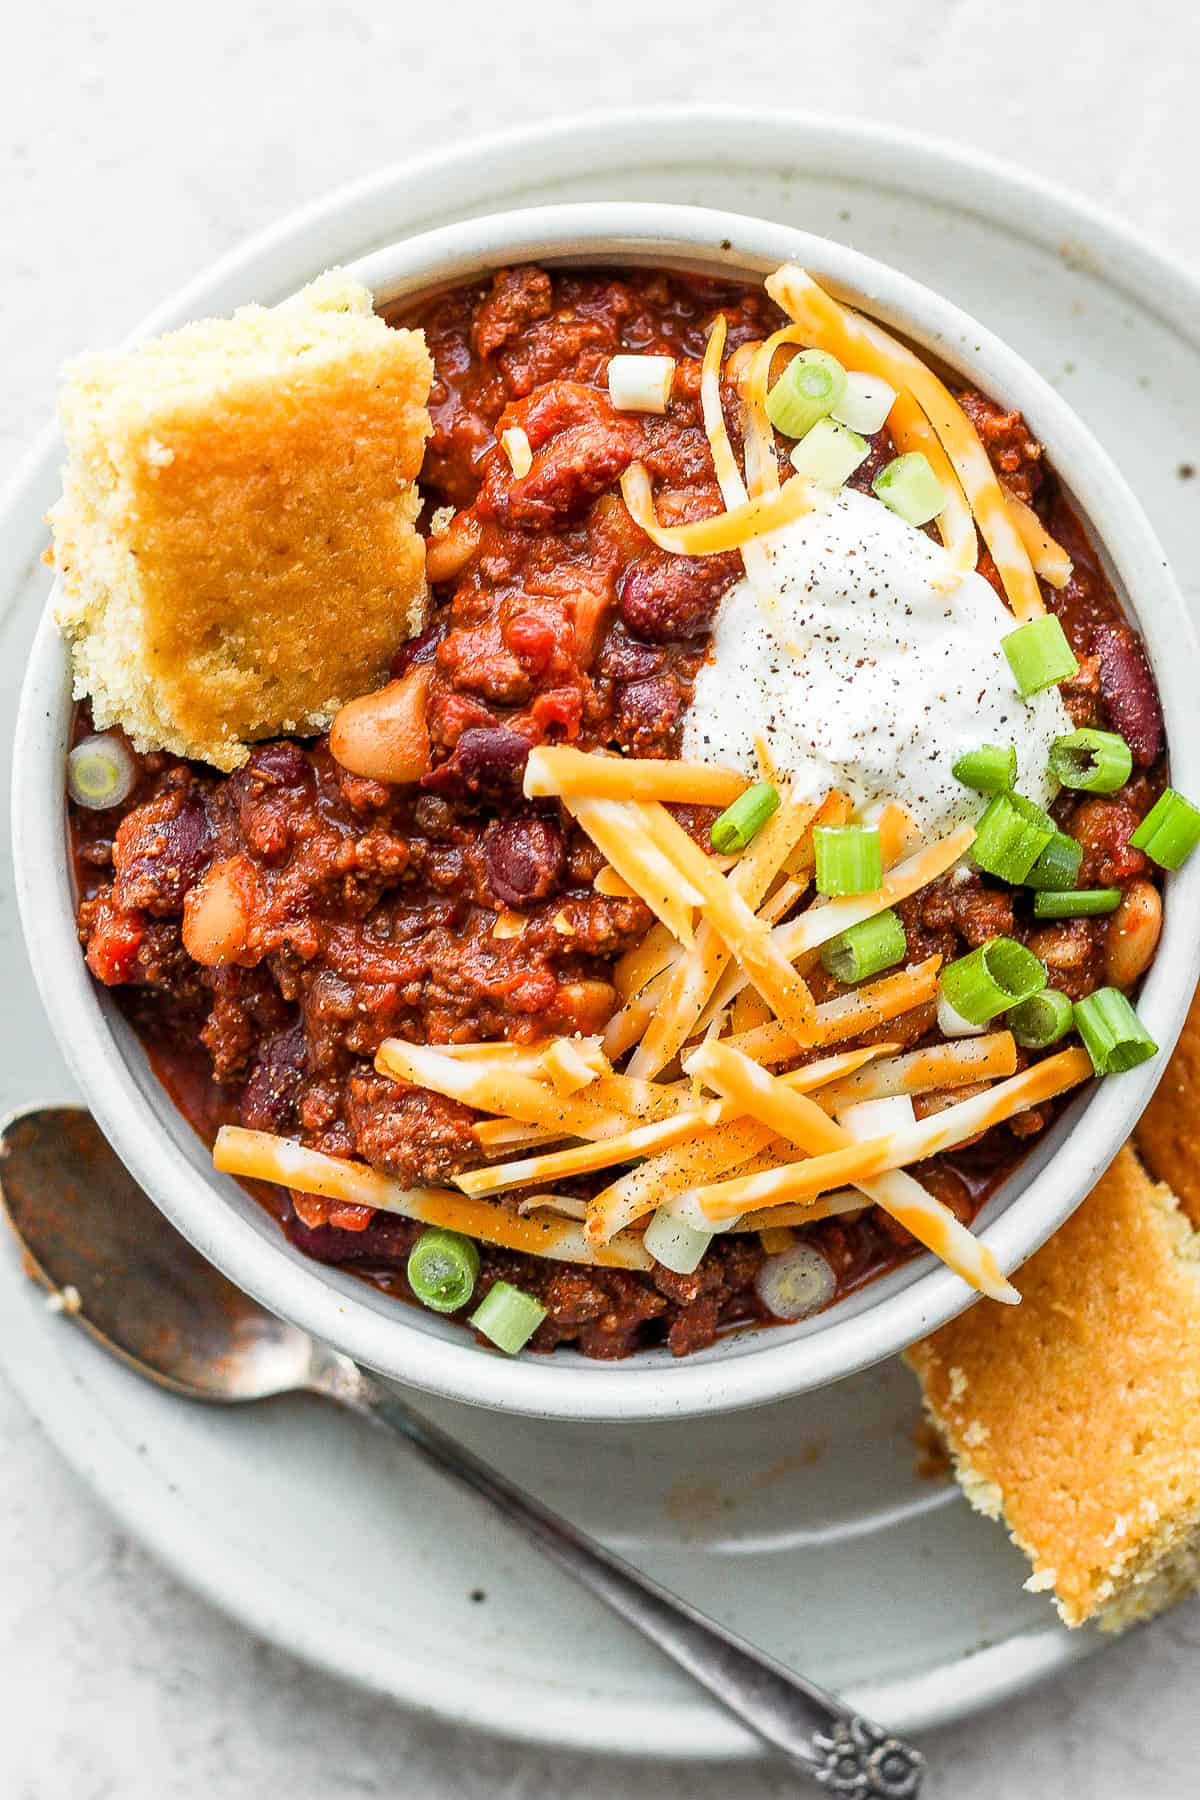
(749, 1367)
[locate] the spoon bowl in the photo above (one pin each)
(88, 1229)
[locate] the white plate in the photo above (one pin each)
(803, 1525)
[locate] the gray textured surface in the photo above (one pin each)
(140, 141)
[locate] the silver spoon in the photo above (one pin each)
(87, 1229)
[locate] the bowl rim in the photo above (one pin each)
(747, 1369)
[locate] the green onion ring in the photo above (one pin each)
(1011, 836)
(1097, 762)
(508, 1317)
(442, 1269)
(992, 979)
(744, 818)
(865, 949)
(1112, 1033)
(1041, 1020)
(849, 859)
(1039, 655)
(992, 769)
(1057, 867)
(1170, 831)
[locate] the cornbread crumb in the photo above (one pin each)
(236, 539)
(1075, 1417)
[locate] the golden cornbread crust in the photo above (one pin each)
(1075, 1417)
(236, 539)
(1168, 1133)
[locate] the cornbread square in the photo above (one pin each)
(236, 538)
(1167, 1135)
(1075, 1417)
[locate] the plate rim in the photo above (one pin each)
(1120, 255)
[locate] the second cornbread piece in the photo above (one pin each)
(1075, 1417)
(1168, 1133)
(236, 539)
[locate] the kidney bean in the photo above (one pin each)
(385, 1239)
(161, 849)
(273, 1086)
(487, 760)
(1127, 687)
(282, 764)
(421, 649)
(623, 659)
(525, 859)
(646, 712)
(668, 597)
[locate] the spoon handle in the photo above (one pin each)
(839, 1750)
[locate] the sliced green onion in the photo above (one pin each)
(951, 1024)
(508, 1317)
(1057, 868)
(829, 454)
(1170, 831)
(866, 403)
(101, 772)
(1079, 903)
(442, 1270)
(674, 1243)
(797, 1282)
(909, 487)
(992, 769)
(849, 859)
(809, 388)
(640, 383)
(744, 819)
(1039, 655)
(1113, 1035)
(866, 948)
(991, 979)
(1099, 762)
(1041, 1020)
(1011, 836)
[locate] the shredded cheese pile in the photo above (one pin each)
(711, 1131)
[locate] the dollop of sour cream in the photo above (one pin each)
(861, 664)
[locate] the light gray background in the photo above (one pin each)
(139, 141)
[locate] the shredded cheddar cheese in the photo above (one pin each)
(861, 344)
(260, 1156)
(555, 771)
(803, 1123)
(728, 530)
(862, 1161)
